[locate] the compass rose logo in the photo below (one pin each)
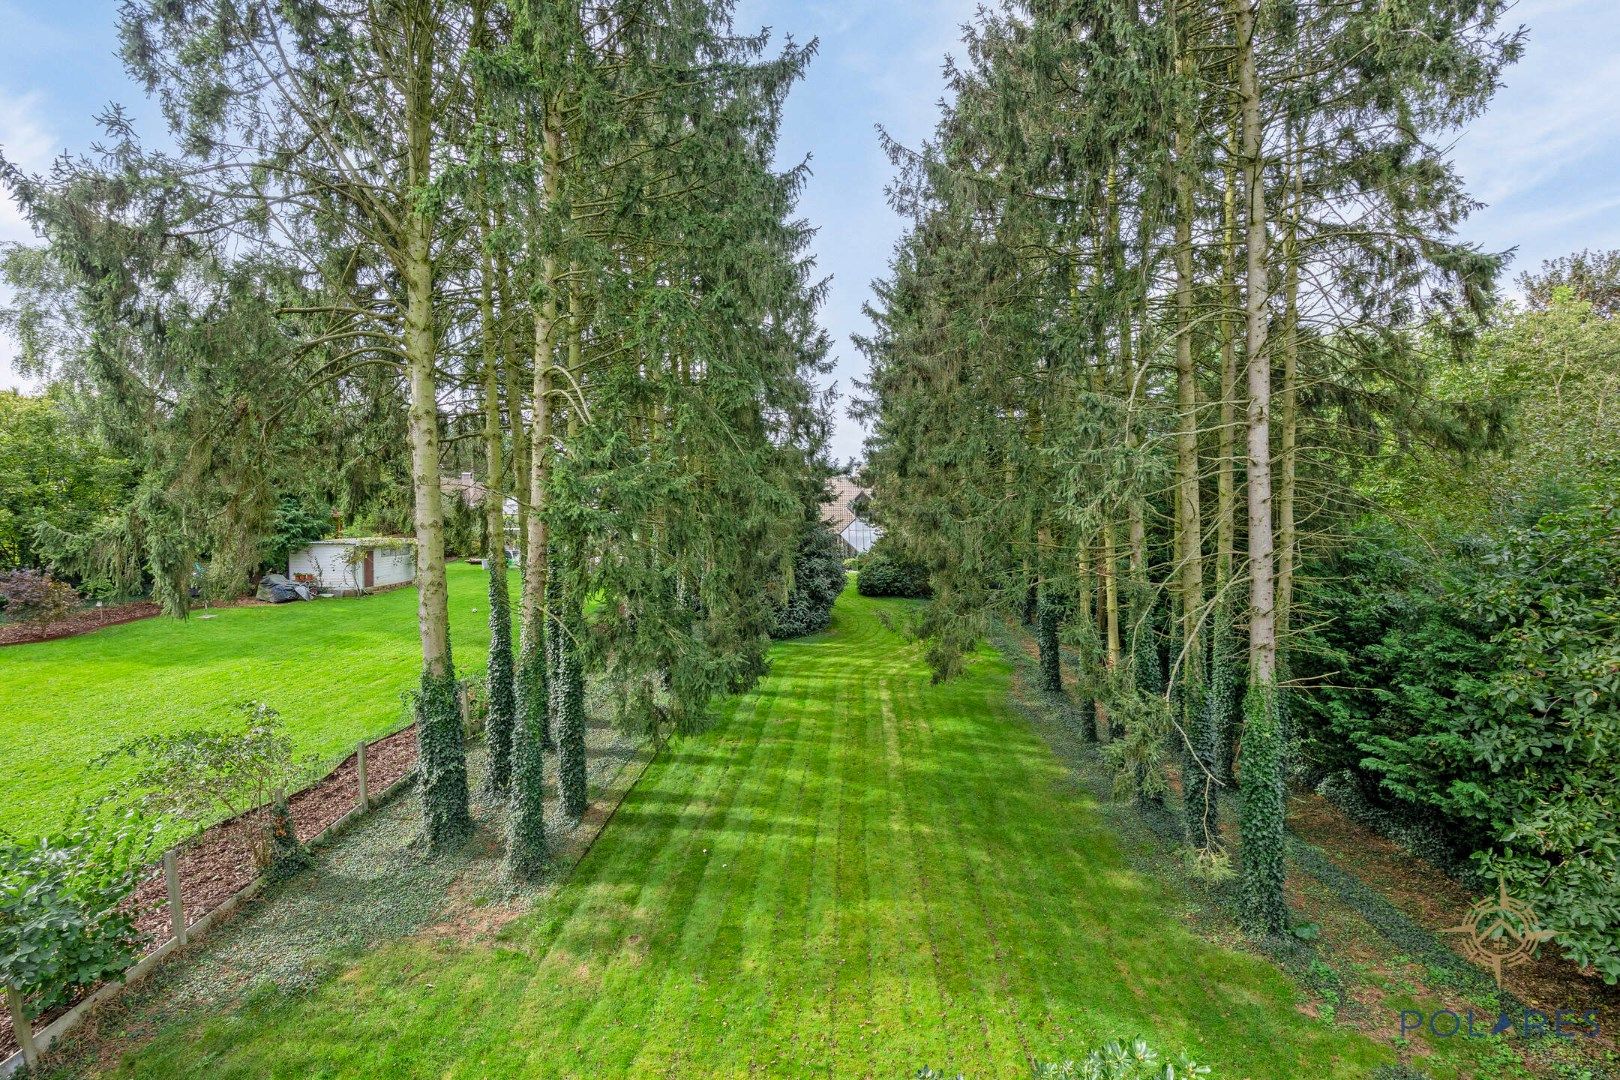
(1500, 932)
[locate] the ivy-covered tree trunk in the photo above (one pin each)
(1050, 617)
(568, 705)
(1265, 908)
(442, 757)
(526, 832)
(501, 692)
(568, 679)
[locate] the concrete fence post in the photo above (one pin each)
(363, 799)
(177, 909)
(21, 1028)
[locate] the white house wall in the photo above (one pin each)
(394, 566)
(328, 564)
(331, 567)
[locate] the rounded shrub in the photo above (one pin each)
(883, 573)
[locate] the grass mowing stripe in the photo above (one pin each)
(749, 999)
(810, 1038)
(932, 989)
(712, 949)
(606, 902)
(968, 959)
(791, 970)
(897, 870)
(849, 1005)
(892, 973)
(695, 915)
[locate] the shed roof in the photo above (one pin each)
(365, 541)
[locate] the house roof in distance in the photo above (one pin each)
(838, 510)
(463, 487)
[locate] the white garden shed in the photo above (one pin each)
(347, 566)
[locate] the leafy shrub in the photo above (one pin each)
(818, 578)
(35, 597)
(886, 574)
(201, 775)
(1135, 1060)
(1484, 692)
(64, 923)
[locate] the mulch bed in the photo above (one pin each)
(80, 622)
(216, 864)
(1431, 898)
(87, 620)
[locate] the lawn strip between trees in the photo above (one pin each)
(846, 795)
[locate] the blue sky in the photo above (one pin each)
(1546, 157)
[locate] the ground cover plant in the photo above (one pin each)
(838, 878)
(334, 670)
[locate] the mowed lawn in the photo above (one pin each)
(335, 669)
(853, 873)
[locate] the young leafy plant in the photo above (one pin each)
(203, 775)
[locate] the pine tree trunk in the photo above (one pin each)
(499, 682)
(512, 349)
(442, 757)
(1225, 660)
(1197, 749)
(1262, 820)
(568, 686)
(1110, 572)
(1288, 446)
(526, 841)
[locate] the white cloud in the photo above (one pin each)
(1543, 124)
(28, 143)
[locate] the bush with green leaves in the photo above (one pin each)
(202, 775)
(1483, 689)
(64, 920)
(885, 573)
(818, 578)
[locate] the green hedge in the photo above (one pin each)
(883, 574)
